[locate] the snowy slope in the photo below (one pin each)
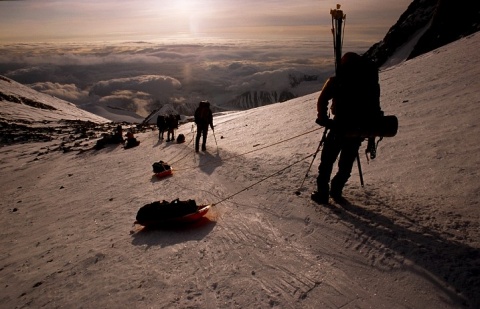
(409, 239)
(21, 103)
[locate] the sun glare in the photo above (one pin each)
(186, 13)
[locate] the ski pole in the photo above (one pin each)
(213, 131)
(215, 138)
(194, 130)
(314, 156)
(360, 170)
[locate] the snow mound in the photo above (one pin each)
(20, 103)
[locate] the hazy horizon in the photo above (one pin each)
(71, 21)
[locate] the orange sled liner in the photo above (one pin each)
(164, 174)
(201, 211)
(158, 213)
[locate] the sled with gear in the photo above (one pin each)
(162, 169)
(167, 213)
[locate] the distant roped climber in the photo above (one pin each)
(203, 120)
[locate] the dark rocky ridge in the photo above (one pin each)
(443, 21)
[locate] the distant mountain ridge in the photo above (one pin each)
(288, 87)
(431, 24)
(252, 99)
(298, 85)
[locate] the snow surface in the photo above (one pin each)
(408, 239)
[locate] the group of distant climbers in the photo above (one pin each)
(169, 123)
(203, 119)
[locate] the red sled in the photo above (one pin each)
(161, 169)
(164, 174)
(201, 211)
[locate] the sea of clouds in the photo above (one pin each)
(140, 76)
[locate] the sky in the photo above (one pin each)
(67, 20)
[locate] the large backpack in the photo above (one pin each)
(357, 100)
(203, 113)
(357, 92)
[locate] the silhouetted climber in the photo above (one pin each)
(355, 95)
(203, 119)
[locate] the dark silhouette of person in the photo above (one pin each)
(117, 136)
(355, 97)
(161, 125)
(131, 140)
(203, 119)
(172, 125)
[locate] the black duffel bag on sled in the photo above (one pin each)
(160, 166)
(161, 212)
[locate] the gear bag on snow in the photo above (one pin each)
(180, 138)
(157, 211)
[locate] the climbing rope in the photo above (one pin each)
(262, 180)
(248, 152)
(186, 148)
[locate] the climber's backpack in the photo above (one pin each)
(357, 101)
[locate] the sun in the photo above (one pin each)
(184, 5)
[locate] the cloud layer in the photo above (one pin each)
(141, 75)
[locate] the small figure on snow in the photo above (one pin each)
(203, 119)
(131, 140)
(172, 124)
(162, 126)
(118, 135)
